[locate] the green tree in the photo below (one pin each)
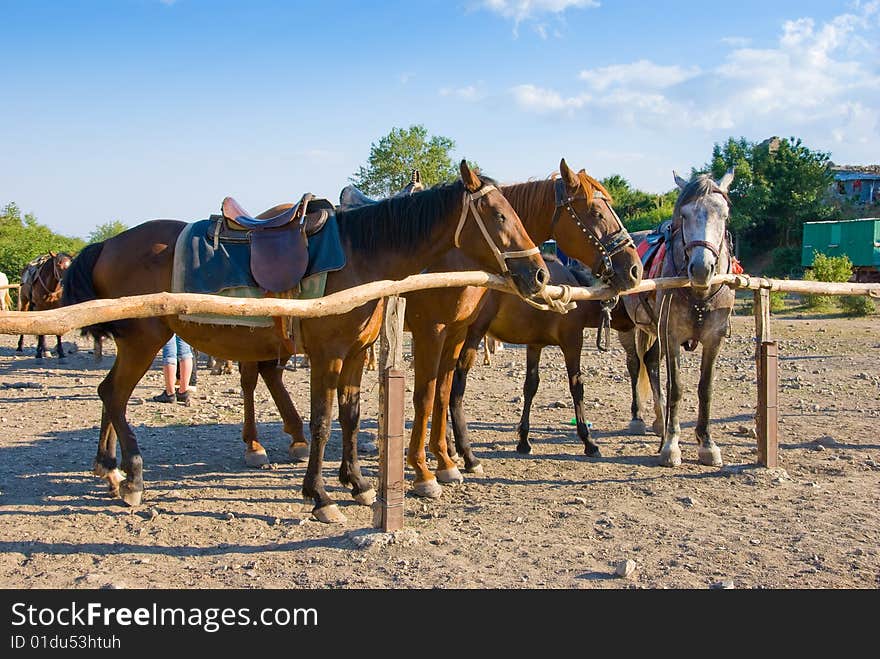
(394, 156)
(779, 185)
(639, 210)
(22, 238)
(107, 230)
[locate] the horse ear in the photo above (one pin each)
(567, 175)
(471, 181)
(726, 180)
(52, 254)
(679, 181)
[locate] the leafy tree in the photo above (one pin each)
(639, 210)
(107, 230)
(22, 238)
(779, 185)
(394, 156)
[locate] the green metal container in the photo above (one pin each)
(857, 239)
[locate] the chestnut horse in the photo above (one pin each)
(513, 321)
(41, 286)
(574, 209)
(388, 240)
(670, 319)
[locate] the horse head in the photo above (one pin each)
(587, 228)
(700, 215)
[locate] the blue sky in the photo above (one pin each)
(141, 109)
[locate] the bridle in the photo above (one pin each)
(468, 206)
(609, 246)
(56, 290)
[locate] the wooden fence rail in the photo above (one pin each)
(389, 507)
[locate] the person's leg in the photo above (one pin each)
(185, 360)
(169, 366)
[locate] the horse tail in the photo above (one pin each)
(79, 287)
(644, 341)
(7, 300)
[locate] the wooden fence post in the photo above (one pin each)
(766, 364)
(388, 509)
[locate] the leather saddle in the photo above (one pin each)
(278, 238)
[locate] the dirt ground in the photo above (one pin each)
(553, 519)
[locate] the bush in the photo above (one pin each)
(858, 305)
(777, 300)
(786, 263)
(830, 269)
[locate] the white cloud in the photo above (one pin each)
(736, 42)
(467, 93)
(520, 10)
(537, 99)
(638, 74)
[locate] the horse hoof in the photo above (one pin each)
(476, 469)
(115, 479)
(711, 457)
(657, 427)
(256, 459)
(298, 452)
(592, 452)
(430, 489)
(670, 457)
(367, 498)
(637, 427)
(329, 515)
(525, 449)
(131, 497)
(448, 476)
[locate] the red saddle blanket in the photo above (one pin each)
(652, 259)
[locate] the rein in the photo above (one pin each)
(468, 205)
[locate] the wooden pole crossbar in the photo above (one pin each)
(388, 510)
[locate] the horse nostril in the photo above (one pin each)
(635, 272)
(542, 276)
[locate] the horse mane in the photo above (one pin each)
(402, 222)
(700, 186)
(591, 186)
(528, 194)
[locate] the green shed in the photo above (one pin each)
(857, 239)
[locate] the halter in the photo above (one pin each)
(50, 292)
(610, 246)
(468, 204)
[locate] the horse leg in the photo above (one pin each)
(254, 452)
(427, 347)
(466, 359)
(324, 381)
(272, 375)
(571, 350)
(105, 465)
(530, 388)
(349, 396)
(132, 362)
(371, 362)
(60, 348)
(25, 306)
(447, 471)
(651, 359)
(670, 452)
(709, 453)
(41, 346)
(634, 366)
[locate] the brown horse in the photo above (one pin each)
(576, 210)
(513, 321)
(388, 240)
(684, 317)
(41, 287)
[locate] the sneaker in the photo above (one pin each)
(164, 397)
(183, 397)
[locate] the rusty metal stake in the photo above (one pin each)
(766, 417)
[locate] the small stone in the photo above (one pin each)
(755, 541)
(687, 502)
(580, 500)
(516, 399)
(818, 447)
(154, 513)
(230, 516)
(302, 521)
(251, 573)
(118, 585)
(625, 568)
(727, 584)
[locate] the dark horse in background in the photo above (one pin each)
(388, 240)
(668, 320)
(41, 288)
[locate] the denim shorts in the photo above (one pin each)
(176, 349)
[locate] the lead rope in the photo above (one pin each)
(605, 325)
(562, 304)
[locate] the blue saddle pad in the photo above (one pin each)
(199, 268)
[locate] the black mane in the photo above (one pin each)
(401, 223)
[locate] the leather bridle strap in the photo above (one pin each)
(701, 243)
(607, 248)
(468, 205)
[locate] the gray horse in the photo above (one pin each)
(698, 247)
